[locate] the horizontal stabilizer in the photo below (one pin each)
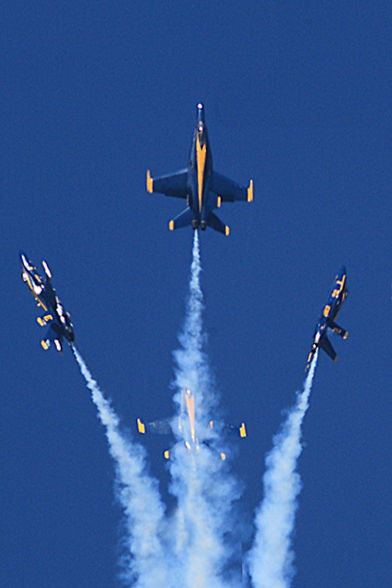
(215, 223)
(52, 337)
(336, 329)
(184, 219)
(325, 344)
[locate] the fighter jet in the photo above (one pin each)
(55, 316)
(202, 187)
(327, 319)
(184, 426)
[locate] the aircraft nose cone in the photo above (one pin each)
(200, 112)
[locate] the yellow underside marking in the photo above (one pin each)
(243, 430)
(44, 345)
(140, 427)
(326, 310)
(166, 454)
(201, 162)
(250, 191)
(340, 283)
(227, 231)
(223, 456)
(219, 202)
(149, 182)
(171, 225)
(35, 296)
(345, 336)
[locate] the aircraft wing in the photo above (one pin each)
(170, 184)
(162, 427)
(230, 191)
(326, 345)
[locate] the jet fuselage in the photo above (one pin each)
(328, 315)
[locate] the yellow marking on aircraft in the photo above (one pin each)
(326, 310)
(242, 430)
(345, 336)
(201, 162)
(149, 182)
(171, 225)
(35, 296)
(187, 444)
(40, 322)
(223, 456)
(336, 358)
(250, 191)
(219, 202)
(45, 345)
(227, 231)
(166, 454)
(340, 283)
(48, 317)
(211, 424)
(140, 426)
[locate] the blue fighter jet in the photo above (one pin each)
(184, 426)
(55, 316)
(202, 187)
(327, 319)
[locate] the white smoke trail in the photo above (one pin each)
(204, 491)
(271, 557)
(138, 494)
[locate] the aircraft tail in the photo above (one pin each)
(325, 344)
(184, 219)
(215, 223)
(52, 337)
(338, 330)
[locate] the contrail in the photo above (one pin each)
(144, 565)
(271, 557)
(203, 488)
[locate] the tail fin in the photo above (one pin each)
(325, 344)
(215, 223)
(182, 220)
(338, 330)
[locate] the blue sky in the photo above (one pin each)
(297, 98)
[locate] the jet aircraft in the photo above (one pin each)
(327, 319)
(202, 187)
(184, 426)
(55, 316)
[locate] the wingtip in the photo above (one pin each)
(250, 191)
(149, 182)
(227, 231)
(141, 427)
